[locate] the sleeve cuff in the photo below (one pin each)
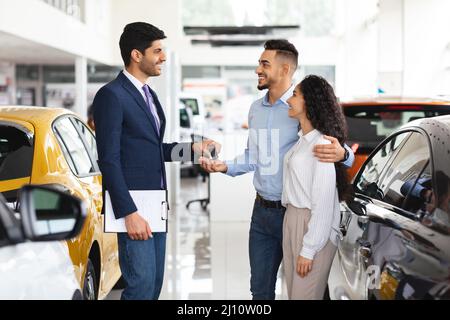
(230, 171)
(308, 253)
(351, 157)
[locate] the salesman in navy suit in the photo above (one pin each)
(130, 124)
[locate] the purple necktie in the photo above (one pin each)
(151, 106)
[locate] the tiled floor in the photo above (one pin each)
(205, 260)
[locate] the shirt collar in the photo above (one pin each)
(310, 136)
(283, 99)
(138, 84)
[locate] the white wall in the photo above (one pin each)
(166, 15)
(391, 46)
(427, 50)
(356, 69)
(38, 22)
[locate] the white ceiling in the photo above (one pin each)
(18, 50)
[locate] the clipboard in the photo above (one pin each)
(151, 205)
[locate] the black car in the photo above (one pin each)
(394, 240)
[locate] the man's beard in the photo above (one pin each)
(263, 86)
(150, 71)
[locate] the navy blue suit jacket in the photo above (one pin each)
(130, 151)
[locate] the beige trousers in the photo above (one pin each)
(311, 287)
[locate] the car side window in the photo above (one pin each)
(16, 153)
(76, 154)
(403, 171)
(88, 137)
(435, 210)
(2, 234)
(419, 191)
(368, 182)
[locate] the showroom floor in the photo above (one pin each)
(205, 260)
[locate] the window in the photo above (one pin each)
(88, 137)
(419, 192)
(328, 72)
(368, 182)
(16, 153)
(200, 72)
(73, 8)
(73, 147)
(435, 210)
(407, 164)
(369, 125)
(3, 236)
(317, 17)
(184, 118)
(192, 104)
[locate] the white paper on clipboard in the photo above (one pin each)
(151, 205)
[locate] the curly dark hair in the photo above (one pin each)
(325, 114)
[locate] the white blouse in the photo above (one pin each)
(309, 183)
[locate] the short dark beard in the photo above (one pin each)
(263, 87)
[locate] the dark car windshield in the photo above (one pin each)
(191, 103)
(16, 156)
(369, 125)
(7, 219)
(184, 119)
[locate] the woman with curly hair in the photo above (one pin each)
(312, 190)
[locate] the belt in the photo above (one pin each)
(267, 203)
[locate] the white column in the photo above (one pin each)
(356, 70)
(426, 39)
(174, 122)
(391, 46)
(167, 87)
(81, 82)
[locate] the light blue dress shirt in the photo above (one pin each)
(271, 134)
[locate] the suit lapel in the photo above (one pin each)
(139, 99)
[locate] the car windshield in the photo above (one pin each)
(184, 119)
(6, 218)
(16, 157)
(369, 125)
(191, 103)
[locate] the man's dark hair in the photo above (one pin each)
(283, 48)
(139, 36)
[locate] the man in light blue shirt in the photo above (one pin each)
(271, 134)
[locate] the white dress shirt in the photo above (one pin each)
(138, 84)
(309, 183)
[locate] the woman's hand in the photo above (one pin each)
(304, 266)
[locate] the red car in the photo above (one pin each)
(370, 121)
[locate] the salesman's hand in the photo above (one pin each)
(304, 266)
(137, 227)
(204, 148)
(333, 152)
(211, 166)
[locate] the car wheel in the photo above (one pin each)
(90, 283)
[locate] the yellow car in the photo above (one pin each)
(50, 146)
